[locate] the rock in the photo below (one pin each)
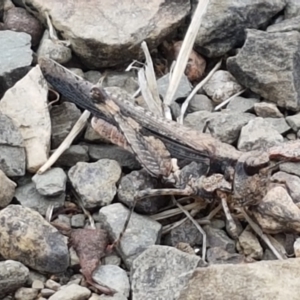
(51, 183)
(294, 121)
(54, 50)
(112, 277)
(227, 126)
(290, 167)
(24, 293)
(95, 182)
(7, 190)
(37, 284)
(26, 104)
(279, 124)
(112, 260)
(35, 276)
(297, 247)
(197, 120)
(142, 232)
(261, 75)
(258, 134)
(120, 42)
(63, 118)
(186, 233)
(218, 238)
(77, 71)
(73, 155)
(183, 90)
(91, 135)
(92, 76)
(292, 9)
(18, 19)
(285, 25)
(29, 197)
(250, 245)
(25, 236)
(52, 285)
(13, 275)
(253, 281)
(72, 292)
(241, 104)
(46, 293)
(267, 110)
(123, 157)
(223, 29)
(12, 152)
(221, 86)
(15, 57)
(217, 255)
(161, 272)
(77, 221)
(200, 102)
(116, 296)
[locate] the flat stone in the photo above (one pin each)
(95, 182)
(72, 292)
(197, 120)
(267, 110)
(254, 281)
(217, 255)
(279, 124)
(116, 296)
(222, 28)
(26, 103)
(25, 236)
(258, 134)
(294, 121)
(7, 190)
(200, 102)
(161, 272)
(92, 76)
(241, 104)
(15, 57)
(285, 25)
(12, 151)
(25, 293)
(291, 168)
(112, 277)
(142, 232)
(13, 275)
(51, 183)
(256, 67)
(73, 155)
(77, 221)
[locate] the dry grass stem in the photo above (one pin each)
(228, 100)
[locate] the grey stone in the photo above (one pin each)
(78, 220)
(290, 167)
(92, 135)
(279, 124)
(222, 27)
(256, 67)
(254, 281)
(141, 233)
(292, 9)
(35, 276)
(183, 90)
(116, 296)
(29, 197)
(161, 272)
(200, 102)
(77, 71)
(95, 182)
(258, 134)
(13, 275)
(267, 110)
(47, 293)
(24, 231)
(72, 292)
(7, 190)
(53, 285)
(291, 136)
(197, 120)
(15, 57)
(51, 183)
(92, 76)
(122, 156)
(221, 86)
(294, 121)
(286, 25)
(63, 118)
(12, 151)
(112, 260)
(241, 104)
(217, 255)
(73, 155)
(297, 247)
(112, 277)
(25, 293)
(37, 284)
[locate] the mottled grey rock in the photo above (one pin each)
(13, 275)
(7, 190)
(63, 118)
(258, 134)
(279, 124)
(122, 156)
(249, 244)
(15, 57)
(136, 181)
(183, 90)
(256, 67)
(161, 272)
(241, 104)
(217, 255)
(12, 151)
(260, 280)
(25, 293)
(112, 260)
(78, 220)
(29, 197)
(223, 27)
(25, 236)
(51, 183)
(112, 277)
(292, 9)
(37, 284)
(141, 232)
(227, 126)
(294, 121)
(46, 293)
(53, 285)
(73, 155)
(221, 86)
(286, 25)
(72, 292)
(92, 76)
(91, 135)
(200, 102)
(116, 296)
(197, 120)
(54, 50)
(95, 182)
(267, 110)
(291, 168)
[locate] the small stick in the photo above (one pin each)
(229, 99)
